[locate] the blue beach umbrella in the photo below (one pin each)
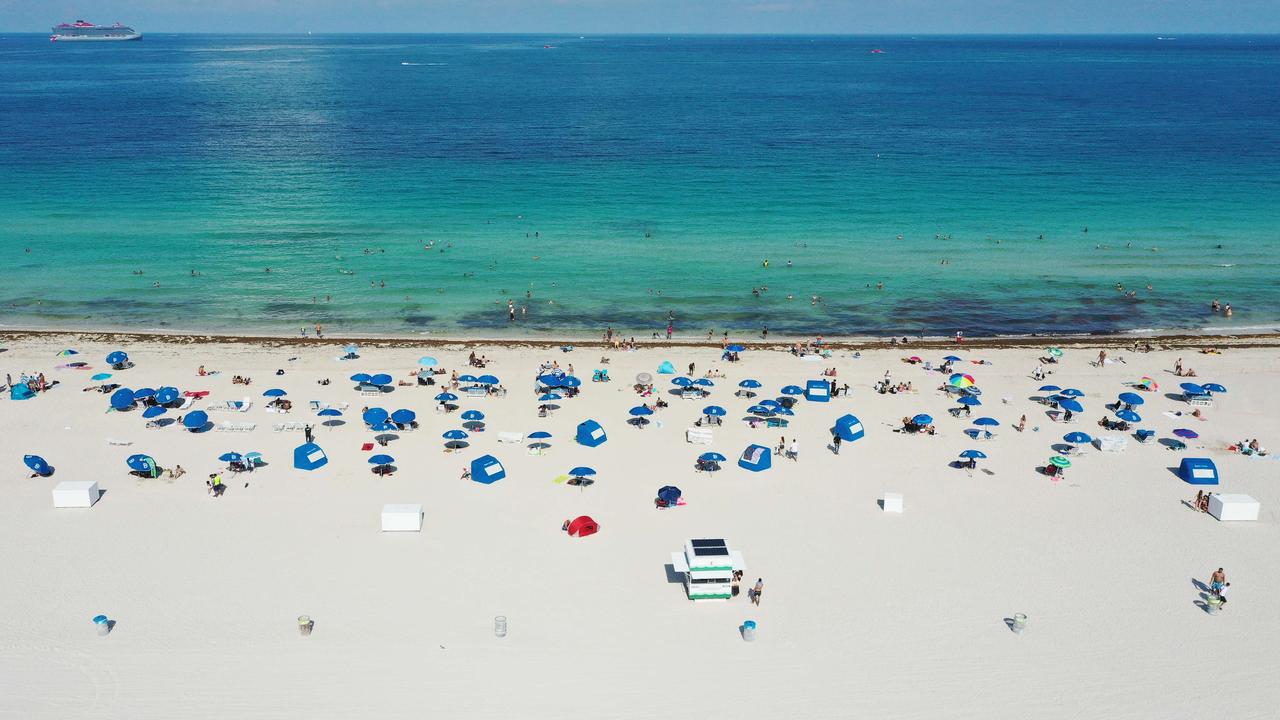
(381, 459)
(1129, 416)
(582, 471)
(195, 419)
(384, 426)
(711, 457)
(454, 435)
(1070, 404)
(361, 378)
(230, 457)
(669, 494)
(549, 397)
(540, 435)
(922, 419)
(792, 390)
(548, 380)
(117, 357)
(37, 464)
(487, 379)
(640, 411)
(380, 379)
(374, 416)
(68, 353)
(760, 410)
(154, 411)
(446, 397)
(330, 412)
(735, 348)
(951, 358)
(570, 381)
(1050, 388)
(1129, 398)
(714, 411)
(986, 421)
(1071, 393)
(1214, 387)
(167, 394)
(100, 376)
(771, 403)
(1077, 438)
(473, 415)
(467, 378)
(973, 454)
(274, 392)
(749, 384)
(1185, 433)
(122, 399)
(141, 463)
(704, 382)
(428, 361)
(403, 417)
(1192, 389)
(970, 400)
(144, 393)
(682, 381)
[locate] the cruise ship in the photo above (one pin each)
(81, 30)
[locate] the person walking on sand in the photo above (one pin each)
(835, 443)
(1102, 358)
(1217, 581)
(793, 450)
(1022, 423)
(757, 592)
(782, 446)
(307, 433)
(1177, 367)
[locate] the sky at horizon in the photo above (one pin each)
(655, 16)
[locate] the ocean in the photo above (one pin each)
(413, 185)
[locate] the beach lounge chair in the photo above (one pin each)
(244, 405)
(186, 403)
(775, 422)
(315, 405)
(510, 437)
(1145, 436)
(119, 442)
(277, 427)
(1198, 400)
(477, 391)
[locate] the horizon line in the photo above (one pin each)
(566, 33)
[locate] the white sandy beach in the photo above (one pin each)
(865, 614)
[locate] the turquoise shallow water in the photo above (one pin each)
(620, 180)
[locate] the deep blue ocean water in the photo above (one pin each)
(620, 180)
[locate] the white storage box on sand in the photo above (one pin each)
(401, 518)
(893, 502)
(1227, 507)
(75, 494)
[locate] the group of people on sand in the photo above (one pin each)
(1180, 371)
(35, 383)
(1247, 447)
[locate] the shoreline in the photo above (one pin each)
(1172, 340)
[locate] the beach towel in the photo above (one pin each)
(366, 447)
(752, 455)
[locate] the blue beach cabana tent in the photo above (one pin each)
(756, 458)
(590, 434)
(487, 470)
(20, 391)
(817, 391)
(849, 428)
(1198, 471)
(309, 456)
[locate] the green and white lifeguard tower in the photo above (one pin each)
(708, 566)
